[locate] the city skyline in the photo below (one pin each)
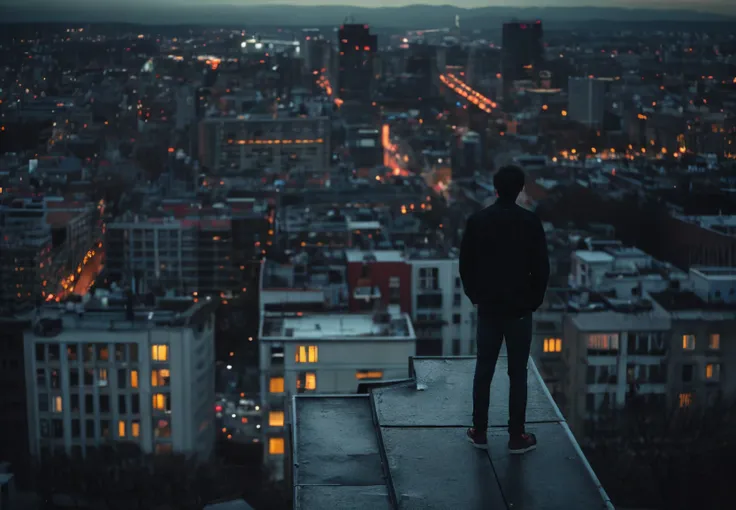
(718, 6)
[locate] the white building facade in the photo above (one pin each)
(440, 309)
(103, 378)
(325, 353)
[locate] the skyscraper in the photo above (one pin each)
(523, 53)
(355, 73)
(586, 100)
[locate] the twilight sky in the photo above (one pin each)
(702, 4)
(719, 6)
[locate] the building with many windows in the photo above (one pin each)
(444, 317)
(664, 348)
(141, 375)
(326, 353)
(249, 144)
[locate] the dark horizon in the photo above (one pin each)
(416, 15)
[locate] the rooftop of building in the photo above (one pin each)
(362, 256)
(336, 326)
(53, 318)
(403, 445)
(676, 300)
(722, 224)
(714, 273)
(594, 257)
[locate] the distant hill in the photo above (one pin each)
(413, 16)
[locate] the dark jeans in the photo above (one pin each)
(491, 333)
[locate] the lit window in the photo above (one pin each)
(712, 371)
(160, 377)
(160, 352)
(553, 345)
(714, 341)
(276, 419)
(688, 342)
(58, 405)
(603, 342)
(306, 354)
(276, 446)
(276, 385)
(369, 374)
(102, 377)
(121, 428)
(310, 381)
(134, 378)
(159, 401)
(135, 429)
(686, 399)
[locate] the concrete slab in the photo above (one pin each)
(336, 442)
(448, 393)
(549, 478)
(372, 497)
(435, 468)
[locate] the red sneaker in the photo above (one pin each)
(477, 438)
(522, 443)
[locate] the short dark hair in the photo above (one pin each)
(509, 181)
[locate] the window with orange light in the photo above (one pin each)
(276, 385)
(276, 446)
(159, 401)
(552, 345)
(306, 354)
(160, 377)
(276, 419)
(369, 374)
(160, 352)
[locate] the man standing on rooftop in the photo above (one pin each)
(504, 266)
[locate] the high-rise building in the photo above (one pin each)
(355, 74)
(144, 376)
(586, 100)
(522, 54)
(25, 254)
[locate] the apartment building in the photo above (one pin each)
(378, 278)
(331, 353)
(76, 224)
(665, 346)
(249, 144)
(122, 374)
(187, 248)
(28, 262)
(444, 317)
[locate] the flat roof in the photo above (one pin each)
(593, 257)
(334, 326)
(114, 318)
(380, 255)
(715, 273)
(404, 446)
(615, 322)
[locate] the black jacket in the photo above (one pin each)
(504, 264)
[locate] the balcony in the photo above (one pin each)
(403, 446)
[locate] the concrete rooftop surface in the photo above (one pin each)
(403, 446)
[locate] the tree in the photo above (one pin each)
(669, 459)
(121, 477)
